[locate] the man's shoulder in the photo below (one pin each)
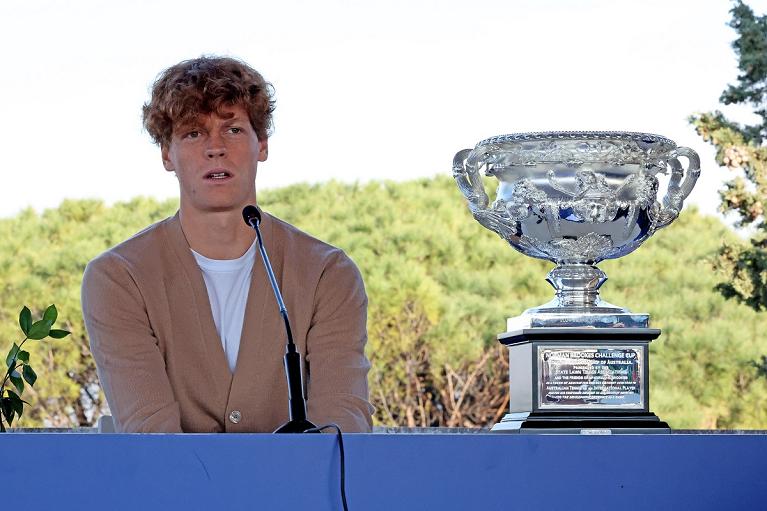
(141, 249)
(315, 258)
(303, 244)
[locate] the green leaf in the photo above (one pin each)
(16, 402)
(11, 355)
(8, 412)
(17, 381)
(58, 334)
(23, 356)
(29, 375)
(39, 330)
(25, 320)
(50, 314)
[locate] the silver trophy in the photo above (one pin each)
(577, 198)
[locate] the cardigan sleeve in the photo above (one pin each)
(337, 389)
(130, 366)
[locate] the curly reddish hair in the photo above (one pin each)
(203, 86)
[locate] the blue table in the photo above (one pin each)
(387, 472)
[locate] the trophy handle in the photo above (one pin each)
(678, 189)
(469, 181)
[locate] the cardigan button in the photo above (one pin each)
(235, 416)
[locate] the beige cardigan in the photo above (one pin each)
(160, 359)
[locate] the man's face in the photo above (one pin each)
(215, 159)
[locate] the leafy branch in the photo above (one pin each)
(18, 360)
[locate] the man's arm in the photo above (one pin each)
(335, 345)
(130, 366)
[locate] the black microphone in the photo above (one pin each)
(298, 422)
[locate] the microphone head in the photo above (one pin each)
(251, 215)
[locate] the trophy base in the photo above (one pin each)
(581, 423)
(579, 380)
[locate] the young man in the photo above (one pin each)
(183, 325)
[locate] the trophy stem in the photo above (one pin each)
(577, 285)
(577, 303)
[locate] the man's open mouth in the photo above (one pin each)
(219, 174)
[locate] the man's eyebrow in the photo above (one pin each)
(185, 125)
(233, 118)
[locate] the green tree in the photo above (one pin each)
(440, 288)
(42, 258)
(742, 147)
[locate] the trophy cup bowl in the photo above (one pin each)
(575, 199)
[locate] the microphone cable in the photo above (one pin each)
(341, 451)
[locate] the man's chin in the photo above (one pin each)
(216, 209)
(225, 209)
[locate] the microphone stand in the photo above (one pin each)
(298, 422)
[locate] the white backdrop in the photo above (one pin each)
(365, 90)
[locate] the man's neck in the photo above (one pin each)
(220, 235)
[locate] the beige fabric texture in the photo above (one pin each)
(160, 359)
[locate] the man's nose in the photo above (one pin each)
(216, 148)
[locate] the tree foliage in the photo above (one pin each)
(42, 258)
(742, 147)
(440, 289)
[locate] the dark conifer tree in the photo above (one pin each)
(742, 147)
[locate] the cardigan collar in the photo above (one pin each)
(258, 297)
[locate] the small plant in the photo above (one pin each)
(18, 360)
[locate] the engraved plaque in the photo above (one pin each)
(581, 377)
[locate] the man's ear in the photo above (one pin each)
(263, 152)
(166, 159)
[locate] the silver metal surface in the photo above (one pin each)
(511, 423)
(548, 317)
(521, 378)
(576, 198)
(235, 416)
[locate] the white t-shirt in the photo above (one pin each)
(228, 282)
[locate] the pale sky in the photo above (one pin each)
(365, 90)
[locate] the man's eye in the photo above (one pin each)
(235, 130)
(193, 134)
